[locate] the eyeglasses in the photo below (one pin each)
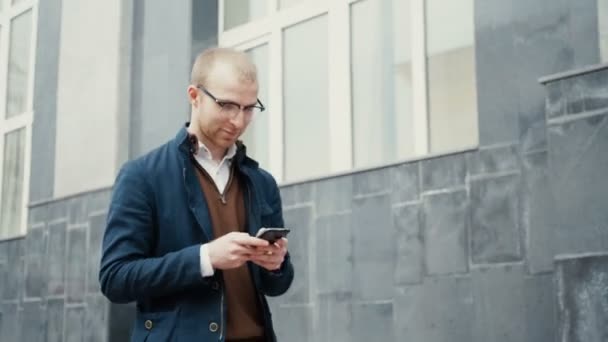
(232, 109)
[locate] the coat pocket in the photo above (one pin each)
(155, 326)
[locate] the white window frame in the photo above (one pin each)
(270, 28)
(23, 120)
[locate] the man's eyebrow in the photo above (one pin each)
(236, 103)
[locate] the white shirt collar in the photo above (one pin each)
(204, 153)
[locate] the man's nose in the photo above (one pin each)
(239, 120)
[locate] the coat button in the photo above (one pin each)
(215, 285)
(148, 324)
(213, 327)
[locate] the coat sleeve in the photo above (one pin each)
(127, 271)
(276, 283)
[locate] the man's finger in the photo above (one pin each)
(248, 240)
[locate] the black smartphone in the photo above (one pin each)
(272, 234)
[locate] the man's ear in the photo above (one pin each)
(193, 95)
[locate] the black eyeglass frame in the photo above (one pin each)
(259, 105)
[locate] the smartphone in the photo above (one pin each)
(272, 234)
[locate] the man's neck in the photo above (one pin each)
(217, 153)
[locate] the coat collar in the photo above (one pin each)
(187, 143)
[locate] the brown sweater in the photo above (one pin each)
(244, 318)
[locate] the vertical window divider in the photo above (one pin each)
(419, 78)
(340, 114)
(276, 140)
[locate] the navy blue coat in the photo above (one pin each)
(157, 220)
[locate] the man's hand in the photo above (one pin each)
(233, 250)
(270, 257)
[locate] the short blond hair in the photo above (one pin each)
(207, 59)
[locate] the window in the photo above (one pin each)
(356, 83)
(17, 42)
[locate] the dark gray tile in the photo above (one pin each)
(583, 298)
(494, 159)
(11, 322)
(573, 90)
(578, 167)
(410, 252)
(335, 319)
(444, 172)
(333, 195)
(78, 212)
(33, 324)
(371, 182)
(58, 210)
(74, 324)
(499, 304)
(555, 102)
(96, 319)
(4, 247)
(440, 310)
(334, 257)
(540, 308)
(586, 93)
(445, 232)
(35, 264)
(15, 249)
(99, 200)
(76, 265)
(495, 227)
(405, 183)
(374, 248)
(538, 213)
(56, 258)
(3, 279)
(15, 272)
(297, 194)
(293, 323)
(37, 215)
(596, 90)
(96, 230)
(302, 256)
(54, 320)
(371, 321)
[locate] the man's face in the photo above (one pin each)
(220, 126)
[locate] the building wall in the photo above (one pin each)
(451, 248)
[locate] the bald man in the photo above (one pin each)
(180, 235)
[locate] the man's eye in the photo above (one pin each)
(228, 106)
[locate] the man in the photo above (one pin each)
(180, 231)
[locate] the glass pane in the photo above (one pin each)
(288, 3)
(381, 81)
(12, 183)
(18, 64)
(238, 12)
(305, 86)
(256, 135)
(451, 75)
(602, 19)
(16, 1)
